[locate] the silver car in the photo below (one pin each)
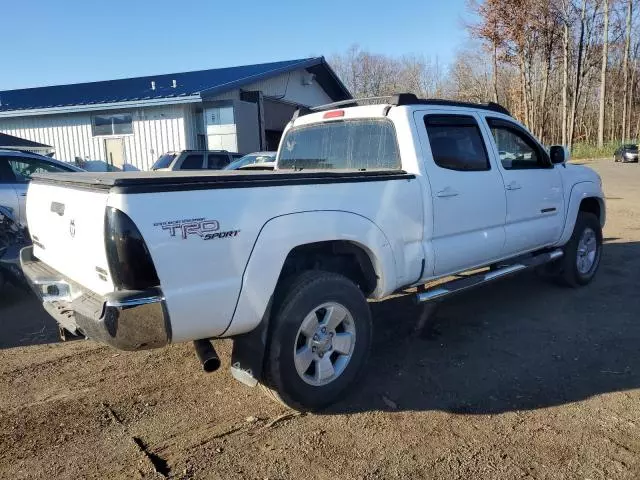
(16, 168)
(259, 159)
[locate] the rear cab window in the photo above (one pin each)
(356, 144)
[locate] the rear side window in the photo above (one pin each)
(23, 168)
(192, 162)
(350, 144)
(456, 143)
(216, 161)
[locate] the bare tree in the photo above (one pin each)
(568, 69)
(603, 72)
(625, 72)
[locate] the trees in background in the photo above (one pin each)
(568, 69)
(368, 74)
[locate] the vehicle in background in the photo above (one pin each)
(16, 168)
(253, 159)
(259, 166)
(194, 160)
(626, 153)
(13, 237)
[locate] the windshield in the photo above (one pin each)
(251, 159)
(352, 144)
(164, 161)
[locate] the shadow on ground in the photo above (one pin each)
(518, 344)
(23, 321)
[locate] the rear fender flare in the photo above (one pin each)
(282, 234)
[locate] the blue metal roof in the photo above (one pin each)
(203, 82)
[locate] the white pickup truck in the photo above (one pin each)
(366, 200)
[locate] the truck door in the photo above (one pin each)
(533, 186)
(467, 192)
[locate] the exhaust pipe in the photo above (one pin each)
(207, 355)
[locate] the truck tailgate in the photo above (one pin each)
(67, 228)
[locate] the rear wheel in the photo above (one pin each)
(320, 341)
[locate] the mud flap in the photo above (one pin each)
(247, 357)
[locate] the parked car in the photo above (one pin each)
(16, 168)
(259, 166)
(626, 153)
(252, 159)
(13, 238)
(195, 160)
(367, 201)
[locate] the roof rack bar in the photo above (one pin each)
(400, 99)
(352, 101)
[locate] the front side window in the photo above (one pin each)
(456, 143)
(24, 167)
(116, 124)
(349, 144)
(516, 149)
(192, 162)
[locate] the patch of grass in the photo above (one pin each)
(587, 150)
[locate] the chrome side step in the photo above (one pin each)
(465, 283)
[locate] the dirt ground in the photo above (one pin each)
(520, 379)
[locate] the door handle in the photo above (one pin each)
(513, 186)
(447, 192)
(23, 194)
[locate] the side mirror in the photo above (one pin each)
(559, 154)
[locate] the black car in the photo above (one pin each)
(626, 153)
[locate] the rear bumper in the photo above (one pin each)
(126, 319)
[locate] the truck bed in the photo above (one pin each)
(147, 182)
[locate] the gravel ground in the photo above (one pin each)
(520, 379)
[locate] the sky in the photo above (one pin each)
(51, 42)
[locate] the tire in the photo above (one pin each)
(313, 300)
(579, 268)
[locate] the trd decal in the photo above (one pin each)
(205, 229)
(213, 236)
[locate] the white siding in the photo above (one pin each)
(289, 87)
(155, 131)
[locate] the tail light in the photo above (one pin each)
(129, 260)
(334, 114)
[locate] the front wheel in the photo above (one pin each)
(320, 340)
(583, 251)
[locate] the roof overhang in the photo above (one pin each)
(102, 106)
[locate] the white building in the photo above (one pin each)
(130, 122)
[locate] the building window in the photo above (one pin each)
(220, 116)
(115, 124)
